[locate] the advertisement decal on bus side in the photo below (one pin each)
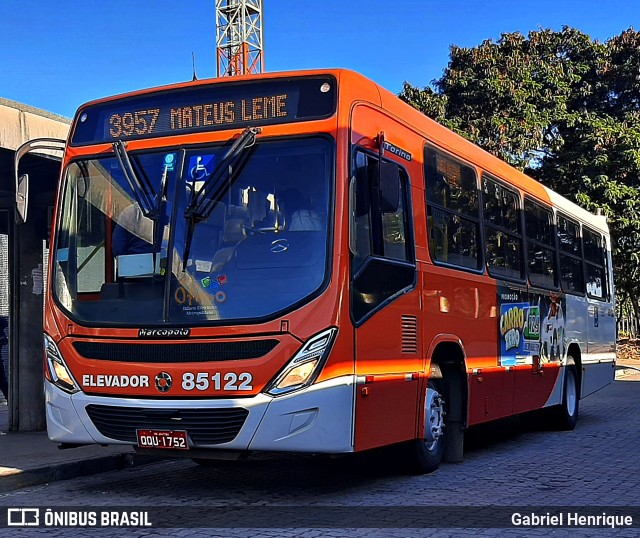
(531, 324)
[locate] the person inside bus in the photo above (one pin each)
(299, 215)
(133, 233)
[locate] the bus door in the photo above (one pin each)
(601, 324)
(542, 313)
(543, 340)
(385, 304)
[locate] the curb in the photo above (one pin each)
(74, 469)
(625, 370)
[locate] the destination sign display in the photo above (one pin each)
(206, 107)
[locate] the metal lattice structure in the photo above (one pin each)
(239, 37)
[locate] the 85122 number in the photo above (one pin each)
(204, 380)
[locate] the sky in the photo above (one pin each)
(56, 55)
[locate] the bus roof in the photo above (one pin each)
(411, 117)
(221, 80)
(463, 148)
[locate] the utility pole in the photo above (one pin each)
(239, 37)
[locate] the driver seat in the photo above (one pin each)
(233, 234)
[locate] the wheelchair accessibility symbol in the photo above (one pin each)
(200, 167)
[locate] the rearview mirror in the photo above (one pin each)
(388, 176)
(22, 198)
(22, 182)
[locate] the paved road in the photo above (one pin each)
(515, 465)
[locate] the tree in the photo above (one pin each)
(565, 109)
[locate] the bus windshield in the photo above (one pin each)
(131, 250)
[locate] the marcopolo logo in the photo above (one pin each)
(397, 151)
(164, 333)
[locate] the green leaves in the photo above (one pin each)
(562, 107)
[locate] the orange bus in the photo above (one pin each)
(302, 262)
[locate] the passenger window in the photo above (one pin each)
(595, 257)
(571, 273)
(503, 236)
(383, 253)
(541, 252)
(452, 211)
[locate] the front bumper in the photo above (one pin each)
(319, 418)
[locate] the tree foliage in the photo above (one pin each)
(565, 109)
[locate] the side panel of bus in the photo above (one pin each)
(454, 308)
(388, 350)
(461, 309)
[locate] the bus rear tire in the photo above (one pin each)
(428, 452)
(565, 416)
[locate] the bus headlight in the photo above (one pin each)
(304, 368)
(57, 369)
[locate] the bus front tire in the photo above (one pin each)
(428, 452)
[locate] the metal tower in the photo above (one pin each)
(239, 37)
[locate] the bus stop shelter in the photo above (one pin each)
(23, 257)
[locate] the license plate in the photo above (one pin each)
(172, 439)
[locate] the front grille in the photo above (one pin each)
(205, 426)
(174, 352)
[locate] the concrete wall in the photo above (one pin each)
(23, 250)
(19, 123)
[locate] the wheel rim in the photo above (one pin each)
(434, 418)
(572, 393)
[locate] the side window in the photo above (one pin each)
(541, 252)
(595, 257)
(452, 211)
(503, 235)
(91, 251)
(81, 236)
(380, 231)
(381, 239)
(571, 273)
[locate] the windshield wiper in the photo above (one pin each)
(208, 195)
(153, 205)
(159, 213)
(142, 189)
